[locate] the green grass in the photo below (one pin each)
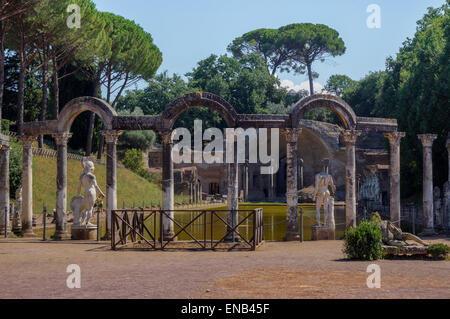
(131, 188)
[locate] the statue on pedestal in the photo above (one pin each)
(323, 197)
(83, 206)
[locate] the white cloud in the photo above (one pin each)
(290, 85)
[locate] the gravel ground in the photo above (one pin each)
(33, 269)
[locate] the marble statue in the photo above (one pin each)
(370, 189)
(323, 197)
(83, 206)
(393, 235)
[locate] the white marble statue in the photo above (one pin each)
(323, 197)
(83, 206)
(370, 189)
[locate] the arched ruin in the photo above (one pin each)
(163, 124)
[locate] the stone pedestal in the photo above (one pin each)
(322, 233)
(84, 232)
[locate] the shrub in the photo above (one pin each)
(364, 242)
(133, 160)
(438, 251)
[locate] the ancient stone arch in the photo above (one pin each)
(288, 123)
(79, 105)
(199, 99)
(330, 102)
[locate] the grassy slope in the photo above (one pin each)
(131, 188)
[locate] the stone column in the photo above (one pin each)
(292, 229)
(168, 183)
(233, 197)
(245, 181)
(111, 177)
(27, 186)
(448, 151)
(271, 186)
(394, 175)
(447, 190)
(427, 143)
(4, 186)
(61, 186)
(300, 174)
(350, 137)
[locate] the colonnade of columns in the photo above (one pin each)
(292, 135)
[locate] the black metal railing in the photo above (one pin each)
(201, 229)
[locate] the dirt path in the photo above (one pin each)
(33, 269)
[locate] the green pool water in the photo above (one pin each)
(274, 223)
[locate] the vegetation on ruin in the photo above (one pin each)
(439, 251)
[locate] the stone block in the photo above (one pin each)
(322, 233)
(84, 232)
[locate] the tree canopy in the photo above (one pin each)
(294, 47)
(415, 89)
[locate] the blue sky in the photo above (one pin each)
(188, 31)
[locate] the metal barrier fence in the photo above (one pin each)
(141, 228)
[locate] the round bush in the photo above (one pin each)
(364, 242)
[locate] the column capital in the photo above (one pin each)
(394, 137)
(350, 136)
(291, 134)
(61, 138)
(427, 139)
(111, 136)
(4, 147)
(27, 140)
(167, 136)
